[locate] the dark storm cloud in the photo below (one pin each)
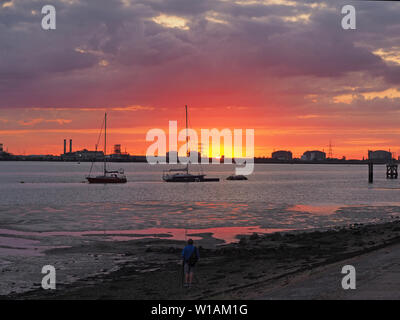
(180, 7)
(115, 47)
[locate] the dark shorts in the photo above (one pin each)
(188, 268)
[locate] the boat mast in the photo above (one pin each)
(105, 142)
(187, 142)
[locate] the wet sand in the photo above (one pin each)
(278, 265)
(377, 277)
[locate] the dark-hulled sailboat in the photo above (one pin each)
(113, 176)
(182, 174)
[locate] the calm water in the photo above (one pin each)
(55, 197)
(54, 207)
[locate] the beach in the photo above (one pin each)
(271, 266)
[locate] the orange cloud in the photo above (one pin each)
(132, 108)
(35, 121)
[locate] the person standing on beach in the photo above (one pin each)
(190, 256)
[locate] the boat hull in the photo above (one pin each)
(104, 180)
(190, 178)
(238, 177)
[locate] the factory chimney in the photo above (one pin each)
(65, 146)
(70, 145)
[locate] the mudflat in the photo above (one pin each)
(289, 265)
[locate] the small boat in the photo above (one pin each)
(112, 176)
(109, 177)
(185, 176)
(182, 174)
(237, 177)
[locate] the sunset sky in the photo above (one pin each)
(284, 68)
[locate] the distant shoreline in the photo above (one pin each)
(256, 161)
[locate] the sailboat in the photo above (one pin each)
(114, 176)
(182, 174)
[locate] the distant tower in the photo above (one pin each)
(330, 152)
(1, 147)
(70, 145)
(65, 146)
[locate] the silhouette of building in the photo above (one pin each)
(117, 149)
(83, 155)
(282, 155)
(195, 155)
(4, 154)
(314, 155)
(118, 155)
(379, 155)
(65, 146)
(172, 157)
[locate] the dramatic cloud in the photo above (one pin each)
(275, 63)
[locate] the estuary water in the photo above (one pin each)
(54, 197)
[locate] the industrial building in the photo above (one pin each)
(119, 156)
(379, 155)
(282, 155)
(3, 154)
(65, 146)
(87, 155)
(83, 155)
(314, 155)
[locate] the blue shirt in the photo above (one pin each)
(188, 250)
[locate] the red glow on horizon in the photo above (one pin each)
(128, 128)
